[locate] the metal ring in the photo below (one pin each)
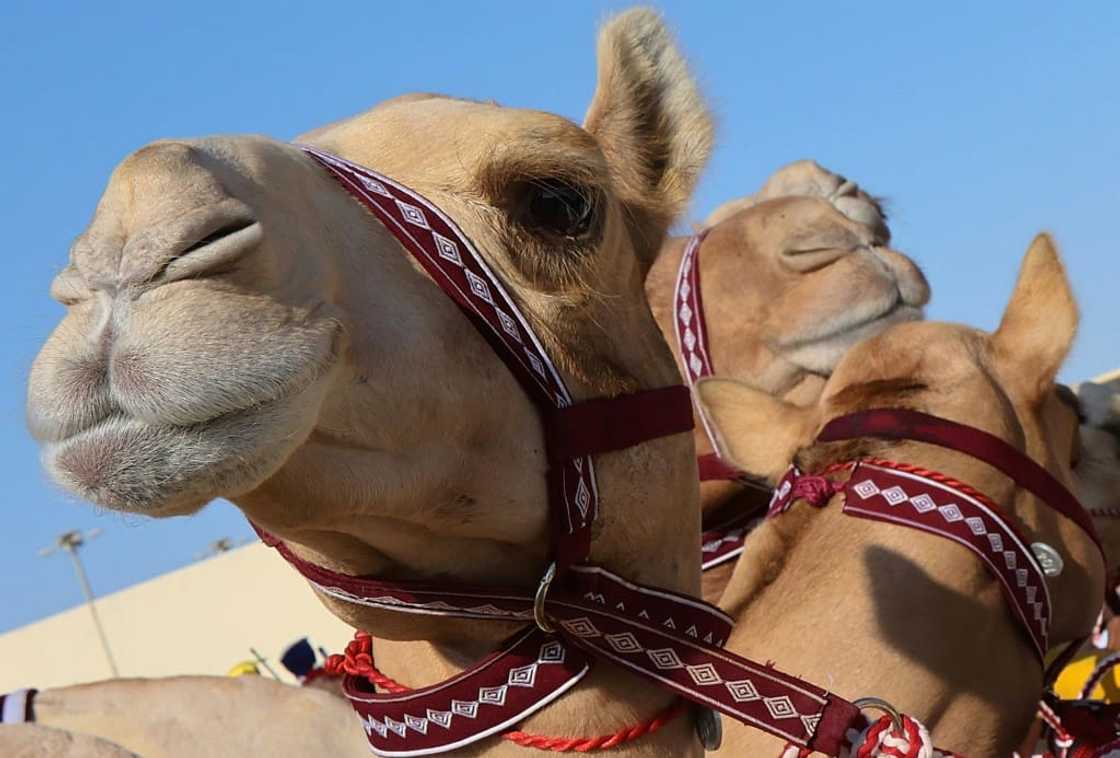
(539, 614)
(878, 704)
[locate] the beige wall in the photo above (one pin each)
(201, 619)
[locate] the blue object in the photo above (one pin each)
(299, 658)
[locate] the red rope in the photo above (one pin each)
(357, 660)
(937, 476)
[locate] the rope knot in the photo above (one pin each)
(815, 490)
(882, 739)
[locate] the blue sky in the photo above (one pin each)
(982, 123)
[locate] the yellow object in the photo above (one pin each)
(245, 668)
(1074, 677)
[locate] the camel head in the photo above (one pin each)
(1002, 383)
(1098, 464)
(795, 275)
(238, 326)
(807, 178)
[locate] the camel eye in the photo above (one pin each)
(557, 207)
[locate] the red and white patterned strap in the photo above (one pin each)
(881, 493)
(525, 674)
(900, 424)
(692, 341)
(914, 501)
(672, 640)
(724, 542)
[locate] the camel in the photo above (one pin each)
(37, 741)
(1098, 467)
(238, 326)
(792, 277)
(868, 608)
(804, 178)
(151, 718)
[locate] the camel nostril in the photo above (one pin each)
(806, 260)
(231, 228)
(213, 253)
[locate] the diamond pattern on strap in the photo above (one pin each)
(1004, 555)
(743, 691)
(551, 652)
(704, 674)
(580, 627)
(448, 255)
(413, 215)
(665, 658)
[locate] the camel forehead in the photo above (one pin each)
(773, 225)
(443, 134)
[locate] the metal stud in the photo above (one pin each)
(709, 728)
(1048, 558)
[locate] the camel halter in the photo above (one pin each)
(579, 612)
(926, 500)
(723, 542)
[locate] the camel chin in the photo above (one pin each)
(820, 355)
(161, 470)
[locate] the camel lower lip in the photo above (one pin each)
(128, 465)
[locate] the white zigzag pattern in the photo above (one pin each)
(951, 512)
(551, 652)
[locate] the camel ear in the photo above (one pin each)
(1039, 323)
(754, 430)
(650, 121)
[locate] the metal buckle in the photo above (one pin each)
(878, 704)
(1049, 559)
(539, 615)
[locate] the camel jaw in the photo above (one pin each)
(821, 354)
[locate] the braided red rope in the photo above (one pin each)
(357, 660)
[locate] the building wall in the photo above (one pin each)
(201, 619)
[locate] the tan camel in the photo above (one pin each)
(38, 741)
(1098, 467)
(802, 178)
(792, 277)
(197, 715)
(238, 326)
(872, 609)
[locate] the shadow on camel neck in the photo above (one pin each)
(238, 326)
(868, 608)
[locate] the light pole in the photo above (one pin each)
(69, 542)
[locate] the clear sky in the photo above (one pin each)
(982, 123)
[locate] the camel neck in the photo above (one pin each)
(936, 636)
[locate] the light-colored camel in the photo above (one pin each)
(825, 194)
(1098, 467)
(792, 277)
(238, 326)
(196, 715)
(38, 741)
(867, 608)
